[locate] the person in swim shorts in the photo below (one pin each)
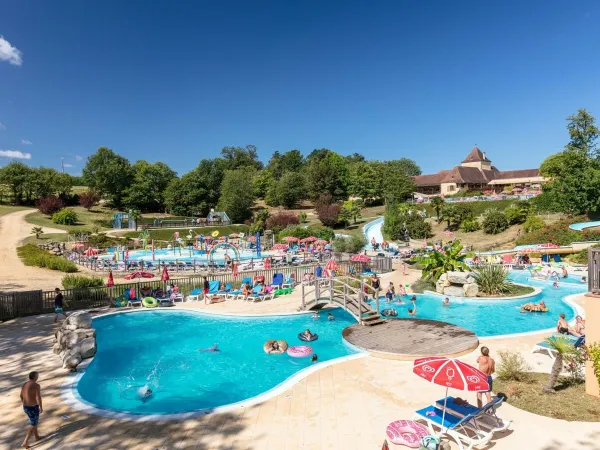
(562, 326)
(58, 304)
(31, 398)
(488, 366)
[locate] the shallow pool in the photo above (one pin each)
(160, 350)
(495, 317)
(187, 254)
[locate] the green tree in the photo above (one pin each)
(63, 185)
(393, 224)
(16, 175)
(38, 231)
(352, 209)
(451, 215)
(494, 221)
(291, 189)
(408, 166)
(108, 174)
(583, 133)
(437, 263)
(437, 203)
(518, 212)
(238, 157)
(327, 173)
(396, 185)
(263, 180)
(146, 191)
(562, 348)
(365, 180)
(280, 163)
(237, 194)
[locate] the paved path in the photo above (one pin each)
(14, 275)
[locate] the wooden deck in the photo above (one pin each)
(412, 338)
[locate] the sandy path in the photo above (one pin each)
(14, 275)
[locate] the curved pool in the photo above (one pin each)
(486, 317)
(160, 349)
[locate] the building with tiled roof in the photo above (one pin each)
(476, 173)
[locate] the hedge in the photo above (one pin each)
(35, 256)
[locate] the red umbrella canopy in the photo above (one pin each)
(78, 245)
(235, 269)
(549, 245)
(360, 258)
(234, 235)
(111, 281)
(451, 373)
(290, 239)
(448, 233)
(252, 239)
(280, 247)
(331, 265)
(309, 239)
(91, 252)
(133, 275)
(267, 263)
(321, 242)
(165, 274)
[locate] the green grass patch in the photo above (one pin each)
(81, 281)
(167, 234)
(98, 217)
(34, 256)
(5, 209)
(569, 402)
(46, 238)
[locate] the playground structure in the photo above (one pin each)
(120, 219)
(226, 246)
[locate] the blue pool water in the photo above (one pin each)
(495, 317)
(186, 254)
(160, 349)
(583, 225)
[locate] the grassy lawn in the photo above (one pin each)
(167, 234)
(98, 217)
(5, 209)
(46, 238)
(569, 402)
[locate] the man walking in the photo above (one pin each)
(58, 304)
(488, 366)
(31, 397)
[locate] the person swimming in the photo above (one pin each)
(330, 316)
(314, 358)
(413, 298)
(555, 284)
(307, 334)
(315, 315)
(446, 302)
(213, 349)
(144, 393)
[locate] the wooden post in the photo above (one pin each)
(330, 289)
(346, 294)
(303, 303)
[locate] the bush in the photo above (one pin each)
(340, 244)
(301, 232)
(416, 227)
(351, 244)
(512, 366)
(65, 217)
(80, 281)
(279, 221)
(49, 205)
(470, 225)
(103, 241)
(34, 256)
(494, 222)
(421, 286)
(559, 233)
(302, 217)
(329, 215)
(491, 279)
(89, 199)
(533, 223)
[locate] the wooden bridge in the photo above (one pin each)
(345, 291)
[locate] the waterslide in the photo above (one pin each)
(583, 225)
(373, 230)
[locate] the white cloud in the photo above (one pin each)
(14, 154)
(68, 165)
(26, 142)
(2, 127)
(9, 53)
(79, 158)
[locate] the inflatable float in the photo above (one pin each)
(282, 346)
(406, 432)
(532, 307)
(312, 337)
(389, 312)
(149, 302)
(300, 351)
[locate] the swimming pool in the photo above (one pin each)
(160, 349)
(187, 254)
(488, 318)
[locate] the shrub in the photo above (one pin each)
(80, 281)
(302, 217)
(559, 233)
(593, 355)
(65, 217)
(103, 241)
(491, 279)
(470, 225)
(34, 256)
(301, 232)
(421, 286)
(89, 199)
(329, 215)
(533, 223)
(494, 222)
(321, 232)
(340, 244)
(416, 227)
(279, 221)
(49, 205)
(518, 212)
(355, 243)
(512, 367)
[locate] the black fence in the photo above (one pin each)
(182, 223)
(19, 304)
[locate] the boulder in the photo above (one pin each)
(85, 348)
(79, 335)
(471, 289)
(444, 279)
(80, 319)
(458, 277)
(71, 361)
(470, 279)
(439, 287)
(454, 291)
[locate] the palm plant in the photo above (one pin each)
(451, 215)
(37, 231)
(491, 279)
(562, 347)
(437, 263)
(437, 204)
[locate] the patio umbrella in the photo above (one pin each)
(309, 239)
(133, 275)
(332, 265)
(451, 373)
(234, 235)
(165, 274)
(280, 247)
(290, 239)
(78, 245)
(252, 238)
(111, 281)
(235, 269)
(321, 242)
(360, 258)
(91, 252)
(448, 233)
(267, 263)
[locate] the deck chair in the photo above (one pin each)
(544, 347)
(463, 430)
(213, 289)
(557, 258)
(290, 281)
(133, 300)
(256, 297)
(237, 293)
(489, 421)
(277, 280)
(195, 295)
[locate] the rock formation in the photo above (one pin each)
(457, 284)
(75, 340)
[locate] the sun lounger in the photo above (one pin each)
(256, 297)
(213, 289)
(194, 295)
(132, 301)
(290, 281)
(544, 347)
(277, 280)
(237, 294)
(463, 430)
(485, 417)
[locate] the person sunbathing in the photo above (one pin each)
(563, 327)
(246, 290)
(580, 325)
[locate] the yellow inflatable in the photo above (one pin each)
(215, 233)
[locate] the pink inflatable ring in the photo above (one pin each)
(406, 432)
(300, 351)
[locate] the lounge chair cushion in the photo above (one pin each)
(406, 432)
(434, 414)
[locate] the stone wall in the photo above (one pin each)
(75, 340)
(457, 284)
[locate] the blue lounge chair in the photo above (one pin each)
(544, 347)
(557, 258)
(256, 297)
(135, 301)
(290, 281)
(213, 289)
(485, 417)
(463, 430)
(238, 292)
(277, 280)
(195, 295)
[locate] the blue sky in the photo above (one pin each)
(178, 80)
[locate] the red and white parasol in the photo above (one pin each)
(91, 252)
(165, 274)
(332, 265)
(267, 263)
(111, 281)
(133, 275)
(280, 247)
(235, 269)
(321, 242)
(360, 258)
(448, 233)
(290, 239)
(309, 239)
(251, 239)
